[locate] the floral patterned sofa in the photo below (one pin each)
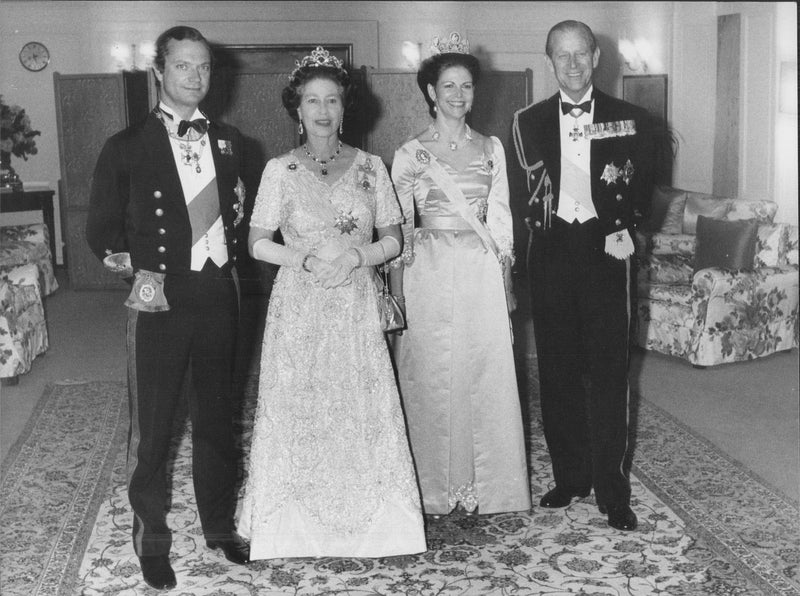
(713, 315)
(26, 276)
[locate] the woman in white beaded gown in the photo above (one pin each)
(330, 472)
(455, 361)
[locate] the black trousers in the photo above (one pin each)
(197, 335)
(581, 305)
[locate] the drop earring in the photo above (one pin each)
(300, 128)
(341, 127)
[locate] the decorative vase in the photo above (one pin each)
(8, 177)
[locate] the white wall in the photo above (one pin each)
(786, 123)
(692, 89)
(505, 35)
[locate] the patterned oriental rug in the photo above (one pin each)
(707, 526)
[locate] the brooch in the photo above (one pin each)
(423, 156)
(366, 176)
(610, 174)
(292, 166)
(346, 223)
(627, 172)
(225, 147)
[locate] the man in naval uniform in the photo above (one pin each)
(585, 180)
(164, 205)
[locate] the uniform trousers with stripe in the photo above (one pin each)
(197, 335)
(581, 304)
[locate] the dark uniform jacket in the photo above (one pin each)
(620, 204)
(137, 203)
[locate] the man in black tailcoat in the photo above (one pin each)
(585, 180)
(164, 206)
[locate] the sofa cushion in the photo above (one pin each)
(725, 244)
(762, 211)
(698, 203)
(666, 210)
(769, 245)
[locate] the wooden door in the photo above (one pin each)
(89, 109)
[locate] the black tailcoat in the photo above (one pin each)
(137, 205)
(580, 296)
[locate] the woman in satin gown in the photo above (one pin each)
(330, 472)
(455, 361)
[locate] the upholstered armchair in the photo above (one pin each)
(711, 315)
(23, 330)
(26, 276)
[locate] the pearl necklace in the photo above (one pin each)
(452, 145)
(323, 163)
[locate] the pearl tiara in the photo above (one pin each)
(318, 57)
(454, 44)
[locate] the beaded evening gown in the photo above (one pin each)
(330, 471)
(455, 361)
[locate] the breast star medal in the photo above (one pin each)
(346, 223)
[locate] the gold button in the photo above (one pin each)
(538, 224)
(157, 194)
(162, 266)
(619, 197)
(159, 212)
(536, 199)
(161, 249)
(618, 222)
(162, 231)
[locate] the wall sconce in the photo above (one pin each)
(637, 54)
(412, 54)
(787, 93)
(121, 53)
(132, 56)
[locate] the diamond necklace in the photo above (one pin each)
(323, 162)
(452, 145)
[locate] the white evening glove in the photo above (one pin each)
(270, 251)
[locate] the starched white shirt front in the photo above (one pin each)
(212, 245)
(575, 195)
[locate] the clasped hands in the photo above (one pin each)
(335, 273)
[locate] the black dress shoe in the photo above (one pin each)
(621, 517)
(158, 572)
(234, 548)
(556, 498)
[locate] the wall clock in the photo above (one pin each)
(34, 56)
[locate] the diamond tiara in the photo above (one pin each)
(318, 57)
(454, 44)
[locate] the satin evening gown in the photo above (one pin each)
(455, 362)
